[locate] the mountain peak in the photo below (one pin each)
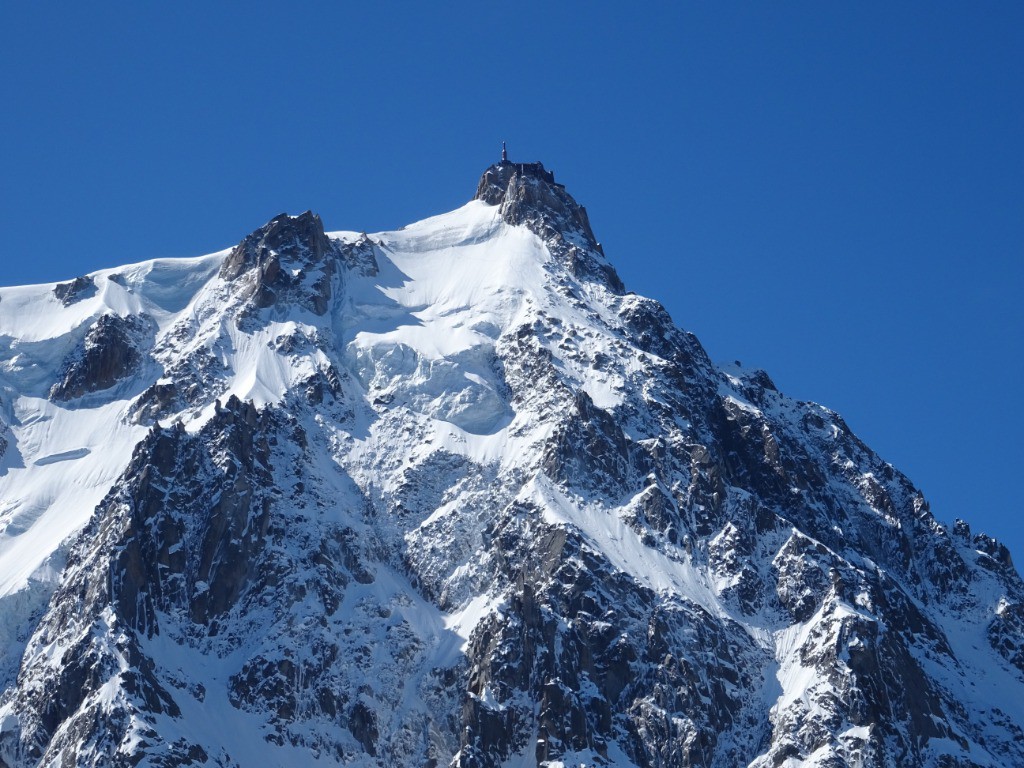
(443, 496)
(528, 194)
(494, 183)
(280, 256)
(284, 235)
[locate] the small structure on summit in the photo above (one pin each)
(535, 170)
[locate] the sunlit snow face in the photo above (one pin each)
(461, 389)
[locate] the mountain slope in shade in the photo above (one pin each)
(451, 496)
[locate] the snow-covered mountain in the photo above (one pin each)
(451, 496)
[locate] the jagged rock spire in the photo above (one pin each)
(276, 259)
(299, 237)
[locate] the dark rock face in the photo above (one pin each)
(3, 430)
(1006, 633)
(75, 290)
(158, 398)
(360, 256)
(187, 381)
(289, 258)
(494, 184)
(591, 447)
(110, 352)
(577, 663)
(187, 540)
(529, 195)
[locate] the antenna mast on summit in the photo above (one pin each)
(504, 153)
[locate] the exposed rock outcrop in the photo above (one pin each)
(74, 290)
(288, 259)
(112, 350)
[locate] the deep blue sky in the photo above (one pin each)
(833, 193)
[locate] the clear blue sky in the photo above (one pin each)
(833, 192)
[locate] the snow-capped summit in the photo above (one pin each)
(449, 495)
